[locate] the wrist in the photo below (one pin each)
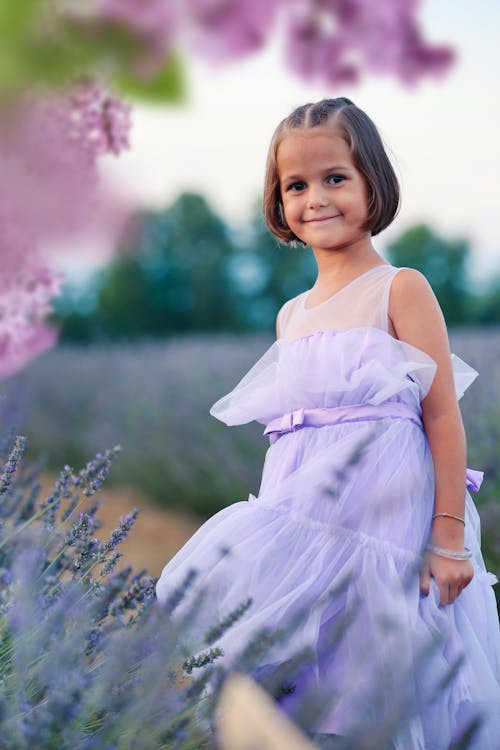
(447, 533)
(450, 554)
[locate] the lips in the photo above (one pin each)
(322, 218)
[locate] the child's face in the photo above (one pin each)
(324, 195)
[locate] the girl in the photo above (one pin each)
(389, 561)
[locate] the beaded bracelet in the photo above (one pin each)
(449, 515)
(450, 553)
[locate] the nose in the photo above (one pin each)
(316, 197)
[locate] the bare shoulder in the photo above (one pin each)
(412, 299)
(409, 282)
(417, 317)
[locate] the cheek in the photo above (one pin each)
(355, 204)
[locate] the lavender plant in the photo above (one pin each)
(154, 398)
(87, 657)
(74, 663)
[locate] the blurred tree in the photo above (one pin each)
(281, 272)
(486, 307)
(169, 275)
(183, 269)
(442, 261)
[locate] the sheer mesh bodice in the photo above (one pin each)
(362, 302)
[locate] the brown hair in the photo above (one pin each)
(368, 154)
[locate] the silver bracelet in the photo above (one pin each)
(450, 553)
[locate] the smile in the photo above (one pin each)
(322, 218)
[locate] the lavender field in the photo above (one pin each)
(154, 400)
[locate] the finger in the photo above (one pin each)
(454, 592)
(444, 591)
(425, 580)
(463, 585)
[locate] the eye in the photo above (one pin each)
(296, 186)
(335, 179)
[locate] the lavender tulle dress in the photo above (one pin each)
(337, 387)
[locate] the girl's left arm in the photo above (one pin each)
(418, 320)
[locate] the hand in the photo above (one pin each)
(451, 576)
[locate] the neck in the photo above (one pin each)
(345, 262)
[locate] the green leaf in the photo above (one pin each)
(35, 51)
(16, 17)
(167, 86)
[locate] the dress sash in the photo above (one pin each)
(329, 415)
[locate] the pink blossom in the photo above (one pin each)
(27, 285)
(100, 121)
(228, 28)
(152, 25)
(49, 151)
(331, 40)
(49, 189)
(337, 40)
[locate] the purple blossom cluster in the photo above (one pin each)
(337, 40)
(334, 41)
(223, 29)
(9, 468)
(26, 286)
(151, 26)
(49, 151)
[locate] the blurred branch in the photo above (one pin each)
(249, 719)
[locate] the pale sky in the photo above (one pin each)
(443, 135)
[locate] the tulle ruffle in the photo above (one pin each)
(398, 645)
(334, 368)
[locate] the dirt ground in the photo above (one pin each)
(158, 533)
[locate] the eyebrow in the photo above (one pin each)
(294, 177)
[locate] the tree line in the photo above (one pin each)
(183, 269)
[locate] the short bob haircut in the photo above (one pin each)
(351, 123)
